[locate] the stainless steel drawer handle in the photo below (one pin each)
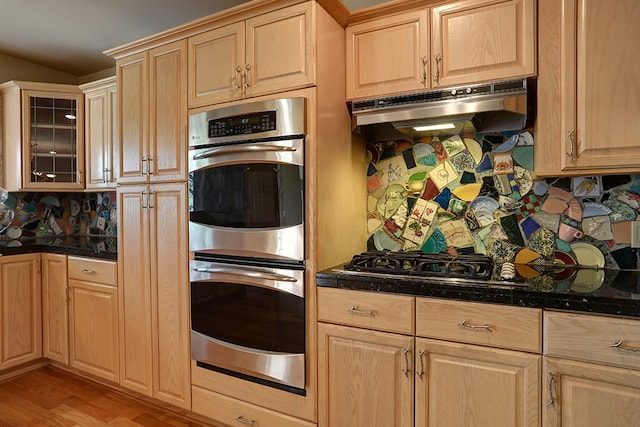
(620, 345)
(246, 422)
(242, 149)
(354, 310)
(406, 352)
(464, 324)
(552, 400)
(420, 372)
(87, 271)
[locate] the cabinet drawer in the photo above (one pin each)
(93, 270)
(514, 328)
(592, 338)
(230, 411)
(384, 312)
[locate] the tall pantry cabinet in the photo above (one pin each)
(152, 223)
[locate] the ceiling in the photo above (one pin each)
(70, 35)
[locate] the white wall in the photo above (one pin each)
(12, 68)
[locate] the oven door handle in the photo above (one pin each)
(254, 274)
(241, 149)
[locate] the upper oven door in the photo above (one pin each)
(247, 199)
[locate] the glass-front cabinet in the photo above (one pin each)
(43, 145)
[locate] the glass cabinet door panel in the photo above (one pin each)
(52, 135)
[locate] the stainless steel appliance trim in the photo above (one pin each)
(290, 120)
(282, 368)
(278, 279)
(286, 244)
(289, 151)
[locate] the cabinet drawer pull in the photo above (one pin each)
(354, 310)
(620, 345)
(551, 401)
(246, 422)
(406, 352)
(436, 76)
(464, 324)
(87, 271)
(236, 82)
(423, 77)
(572, 145)
(420, 371)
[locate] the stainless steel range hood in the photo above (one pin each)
(486, 108)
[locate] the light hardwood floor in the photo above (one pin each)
(52, 397)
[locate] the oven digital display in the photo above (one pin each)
(244, 124)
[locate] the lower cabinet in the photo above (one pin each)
(93, 317)
(456, 368)
(154, 291)
(55, 311)
(20, 310)
(366, 377)
(591, 371)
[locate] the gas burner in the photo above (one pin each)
(417, 263)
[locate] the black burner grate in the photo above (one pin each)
(420, 264)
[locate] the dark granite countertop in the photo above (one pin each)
(88, 246)
(619, 293)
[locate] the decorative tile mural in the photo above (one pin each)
(28, 215)
(480, 194)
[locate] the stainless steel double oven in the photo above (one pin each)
(246, 230)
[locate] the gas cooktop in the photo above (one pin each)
(417, 263)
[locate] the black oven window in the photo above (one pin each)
(254, 195)
(248, 316)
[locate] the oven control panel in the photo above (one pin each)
(244, 124)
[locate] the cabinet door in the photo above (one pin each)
(482, 40)
(55, 316)
(166, 158)
(99, 138)
(388, 55)
(603, 111)
(365, 378)
(170, 294)
(215, 71)
(94, 329)
(581, 394)
(20, 309)
(134, 290)
(280, 50)
(133, 86)
(466, 385)
(52, 140)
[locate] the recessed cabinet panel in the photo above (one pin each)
(388, 55)
(480, 40)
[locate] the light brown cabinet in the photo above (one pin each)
(482, 40)
(451, 44)
(152, 114)
(55, 312)
(469, 363)
(264, 54)
(388, 55)
(101, 133)
(153, 291)
(42, 136)
(587, 110)
(93, 317)
(591, 370)
(20, 310)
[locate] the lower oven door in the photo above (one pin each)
(249, 320)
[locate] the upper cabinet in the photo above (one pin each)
(264, 54)
(153, 114)
(588, 108)
(101, 133)
(388, 55)
(42, 136)
(453, 44)
(482, 40)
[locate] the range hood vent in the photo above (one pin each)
(487, 108)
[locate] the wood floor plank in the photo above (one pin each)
(51, 396)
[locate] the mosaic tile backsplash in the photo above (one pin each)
(479, 194)
(29, 215)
